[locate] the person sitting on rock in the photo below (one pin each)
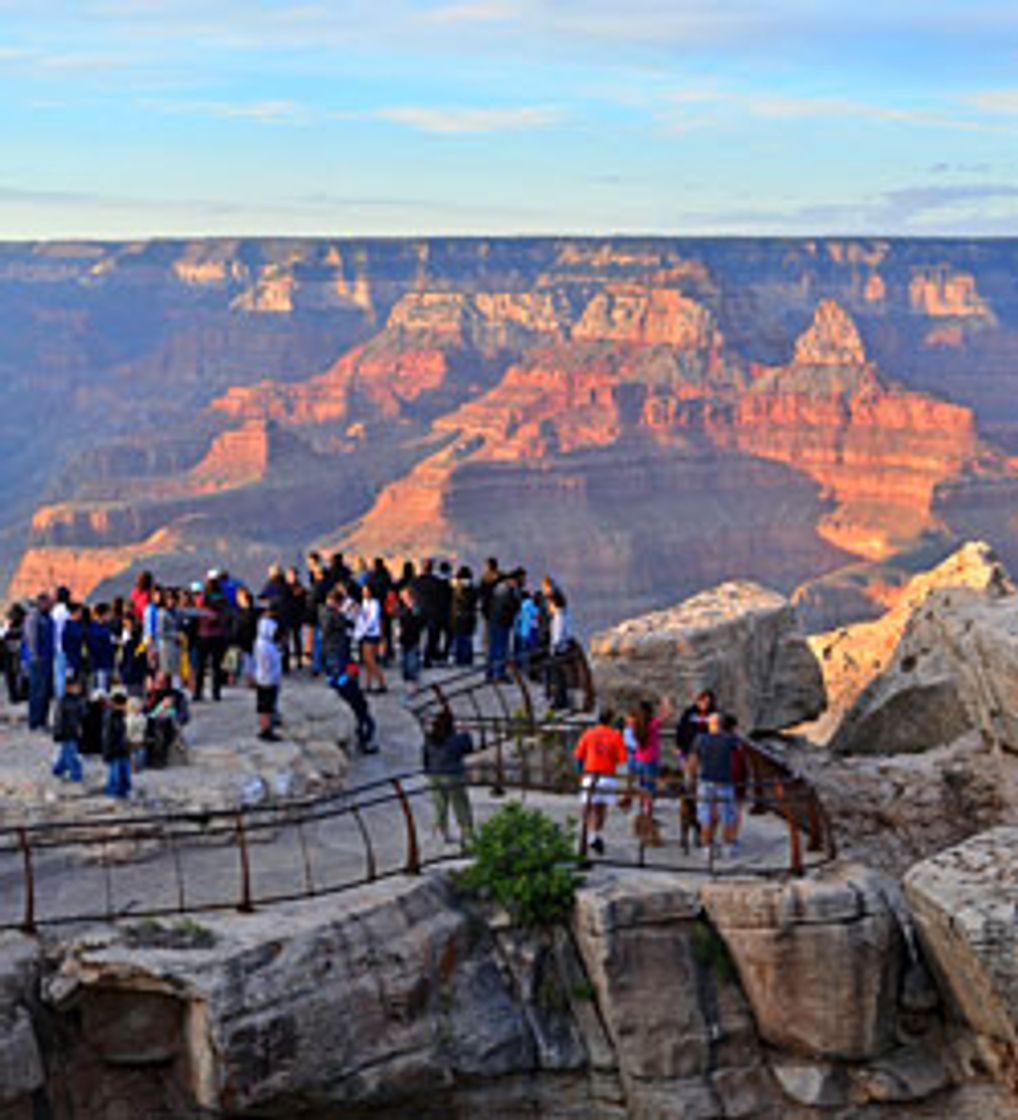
(599, 754)
(166, 713)
(712, 761)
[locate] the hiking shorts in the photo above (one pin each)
(604, 791)
(714, 800)
(646, 775)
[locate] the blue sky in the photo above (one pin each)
(123, 118)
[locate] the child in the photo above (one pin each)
(116, 749)
(268, 672)
(67, 726)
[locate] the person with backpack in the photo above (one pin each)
(463, 617)
(410, 628)
(505, 602)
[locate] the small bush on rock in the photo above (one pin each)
(526, 863)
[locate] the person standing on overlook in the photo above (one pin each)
(444, 751)
(599, 754)
(212, 635)
(368, 632)
(463, 617)
(713, 762)
(39, 643)
(268, 674)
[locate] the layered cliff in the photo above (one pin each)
(645, 416)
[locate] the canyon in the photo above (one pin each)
(640, 417)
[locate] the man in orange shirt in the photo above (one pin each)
(599, 754)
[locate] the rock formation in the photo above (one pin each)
(692, 410)
(964, 900)
(852, 657)
(738, 639)
(405, 1000)
(953, 670)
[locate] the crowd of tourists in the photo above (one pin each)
(620, 760)
(713, 772)
(120, 674)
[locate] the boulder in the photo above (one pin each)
(965, 902)
(739, 639)
(953, 670)
(851, 657)
(394, 994)
(819, 959)
(681, 1029)
(21, 1066)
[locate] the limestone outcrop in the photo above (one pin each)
(852, 657)
(954, 670)
(820, 961)
(21, 1065)
(964, 902)
(739, 639)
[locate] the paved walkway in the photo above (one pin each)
(129, 875)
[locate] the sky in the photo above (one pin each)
(139, 118)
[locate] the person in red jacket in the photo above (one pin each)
(599, 754)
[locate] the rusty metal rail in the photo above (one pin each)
(112, 868)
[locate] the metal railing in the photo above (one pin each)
(111, 867)
(160, 866)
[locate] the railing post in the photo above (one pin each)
(816, 830)
(246, 903)
(588, 801)
(369, 852)
(28, 925)
(794, 843)
(413, 854)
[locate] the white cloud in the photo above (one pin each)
(705, 107)
(457, 121)
(1002, 101)
(483, 11)
(262, 112)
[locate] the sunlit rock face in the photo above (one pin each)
(642, 418)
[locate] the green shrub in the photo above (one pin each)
(527, 864)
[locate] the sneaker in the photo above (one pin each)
(597, 845)
(268, 736)
(732, 850)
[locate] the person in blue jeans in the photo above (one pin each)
(116, 749)
(68, 721)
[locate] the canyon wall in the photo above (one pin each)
(642, 417)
